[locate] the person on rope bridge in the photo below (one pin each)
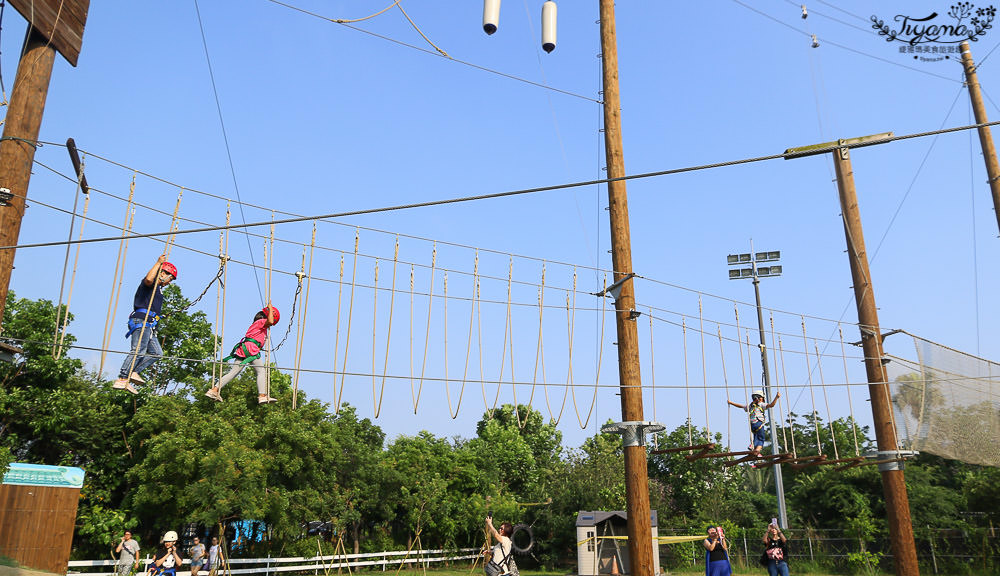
(142, 323)
(248, 351)
(756, 411)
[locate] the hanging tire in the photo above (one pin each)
(531, 539)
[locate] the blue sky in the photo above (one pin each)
(322, 118)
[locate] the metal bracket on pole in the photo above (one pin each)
(633, 432)
(891, 459)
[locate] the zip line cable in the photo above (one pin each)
(225, 137)
(841, 46)
(495, 278)
(298, 275)
(509, 193)
(435, 53)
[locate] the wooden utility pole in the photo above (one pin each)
(640, 546)
(17, 149)
(985, 135)
(53, 25)
(897, 504)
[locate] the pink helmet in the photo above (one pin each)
(169, 269)
(274, 313)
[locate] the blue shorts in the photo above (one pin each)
(757, 428)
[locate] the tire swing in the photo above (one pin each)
(523, 551)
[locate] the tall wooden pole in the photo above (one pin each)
(985, 135)
(897, 504)
(17, 149)
(640, 546)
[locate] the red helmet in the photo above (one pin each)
(169, 269)
(274, 313)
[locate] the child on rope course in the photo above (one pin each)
(248, 351)
(142, 323)
(758, 418)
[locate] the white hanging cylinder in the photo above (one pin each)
(491, 15)
(549, 26)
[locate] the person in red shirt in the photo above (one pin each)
(248, 351)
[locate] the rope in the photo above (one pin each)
(826, 399)
(784, 377)
(156, 280)
(510, 329)
(687, 387)
(116, 282)
(781, 403)
(301, 332)
(413, 395)
(350, 312)
(63, 316)
(216, 338)
(746, 333)
(725, 381)
(569, 373)
(72, 282)
(571, 329)
(375, 404)
(447, 388)
(652, 377)
(704, 369)
(427, 335)
(600, 356)
(506, 334)
(812, 394)
(479, 335)
(269, 268)
(850, 402)
(388, 331)
(336, 340)
(743, 371)
(468, 347)
(419, 31)
(539, 352)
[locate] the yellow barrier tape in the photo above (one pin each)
(660, 539)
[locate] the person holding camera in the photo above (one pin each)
(775, 552)
(128, 550)
(167, 559)
(716, 553)
(501, 561)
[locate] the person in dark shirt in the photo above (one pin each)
(142, 325)
(167, 558)
(716, 553)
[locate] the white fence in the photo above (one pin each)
(315, 564)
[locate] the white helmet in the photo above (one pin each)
(170, 536)
(758, 393)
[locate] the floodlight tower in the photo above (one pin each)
(756, 272)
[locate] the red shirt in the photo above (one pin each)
(257, 331)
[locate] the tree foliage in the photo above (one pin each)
(169, 458)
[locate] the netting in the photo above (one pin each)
(947, 403)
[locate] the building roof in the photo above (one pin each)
(595, 517)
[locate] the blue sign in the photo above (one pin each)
(42, 475)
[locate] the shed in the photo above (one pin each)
(597, 546)
(37, 514)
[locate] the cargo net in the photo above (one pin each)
(947, 403)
